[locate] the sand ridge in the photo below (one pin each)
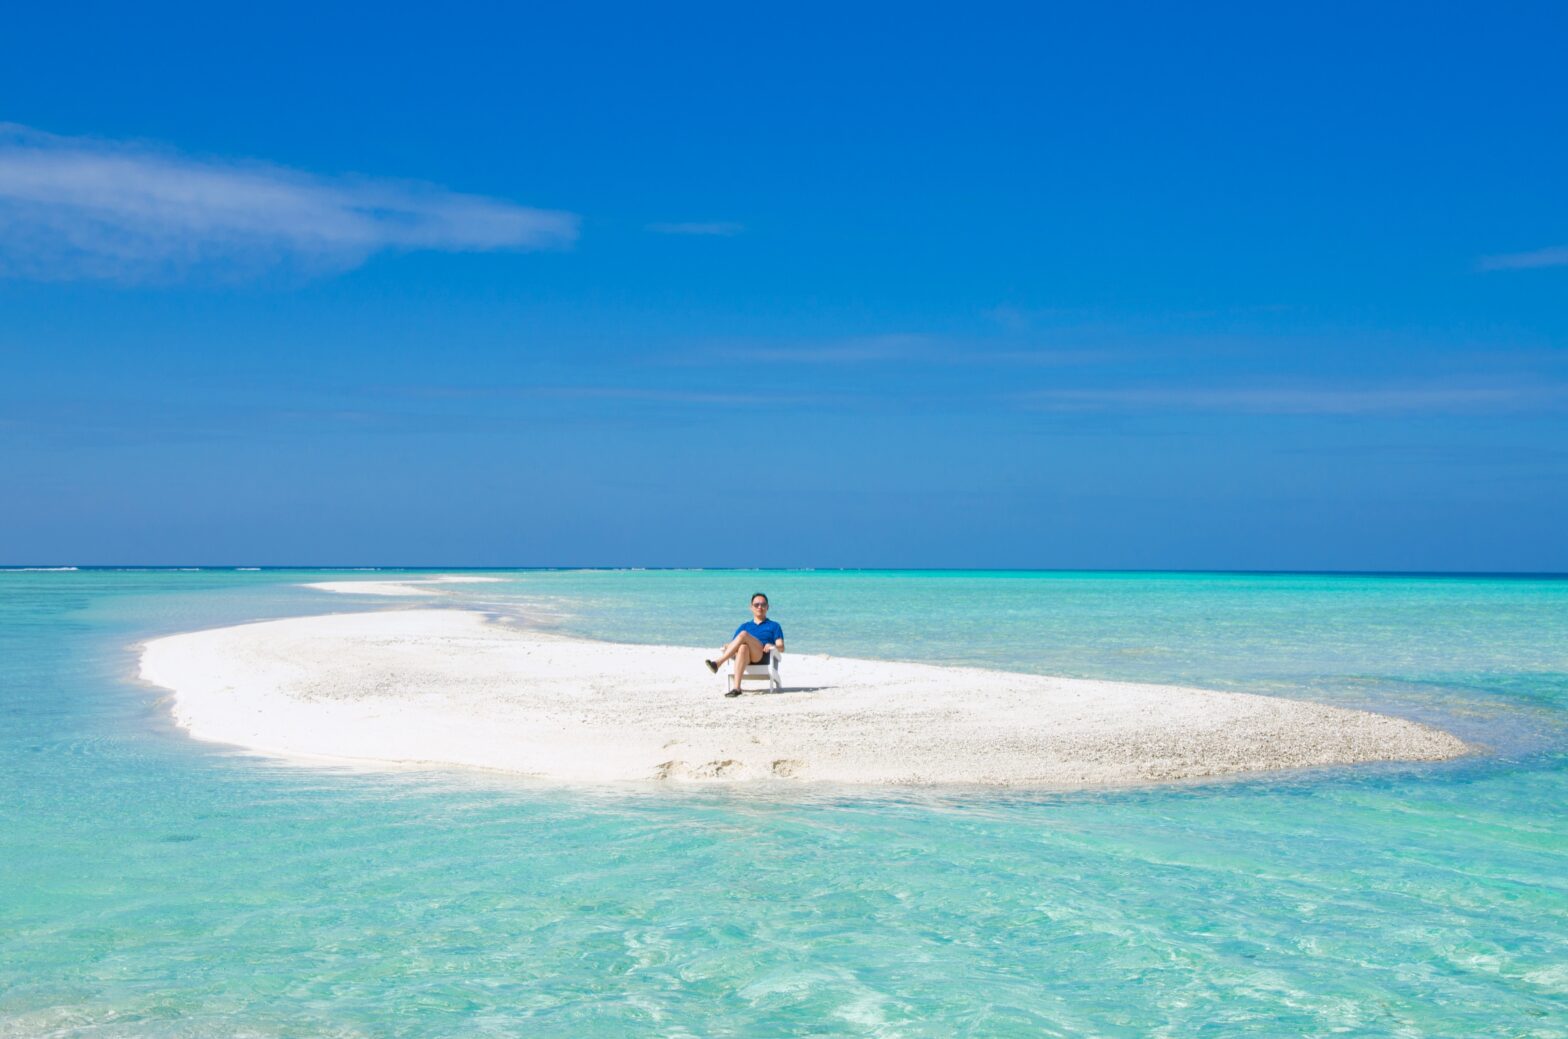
(458, 688)
(400, 586)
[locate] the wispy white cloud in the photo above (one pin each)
(1555, 256)
(611, 392)
(895, 346)
(721, 229)
(1018, 319)
(73, 207)
(763, 398)
(1081, 320)
(911, 348)
(1389, 399)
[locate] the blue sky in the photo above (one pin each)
(1094, 286)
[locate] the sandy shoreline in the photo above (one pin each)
(453, 687)
(404, 586)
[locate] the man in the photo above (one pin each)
(753, 642)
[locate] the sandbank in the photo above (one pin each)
(455, 687)
(400, 587)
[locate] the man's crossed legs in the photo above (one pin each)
(745, 650)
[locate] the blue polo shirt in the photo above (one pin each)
(767, 633)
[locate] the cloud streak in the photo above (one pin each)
(613, 393)
(75, 207)
(720, 229)
(1307, 400)
(894, 348)
(1556, 256)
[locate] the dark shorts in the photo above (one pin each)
(767, 654)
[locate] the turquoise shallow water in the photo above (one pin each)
(153, 886)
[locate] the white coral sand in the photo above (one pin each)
(408, 587)
(454, 687)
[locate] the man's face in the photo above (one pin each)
(759, 607)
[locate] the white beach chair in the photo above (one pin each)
(768, 673)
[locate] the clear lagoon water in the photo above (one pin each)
(151, 885)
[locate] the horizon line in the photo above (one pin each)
(546, 568)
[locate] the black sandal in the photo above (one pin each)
(712, 666)
(733, 692)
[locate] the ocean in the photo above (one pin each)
(153, 886)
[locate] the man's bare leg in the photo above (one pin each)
(749, 654)
(745, 640)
